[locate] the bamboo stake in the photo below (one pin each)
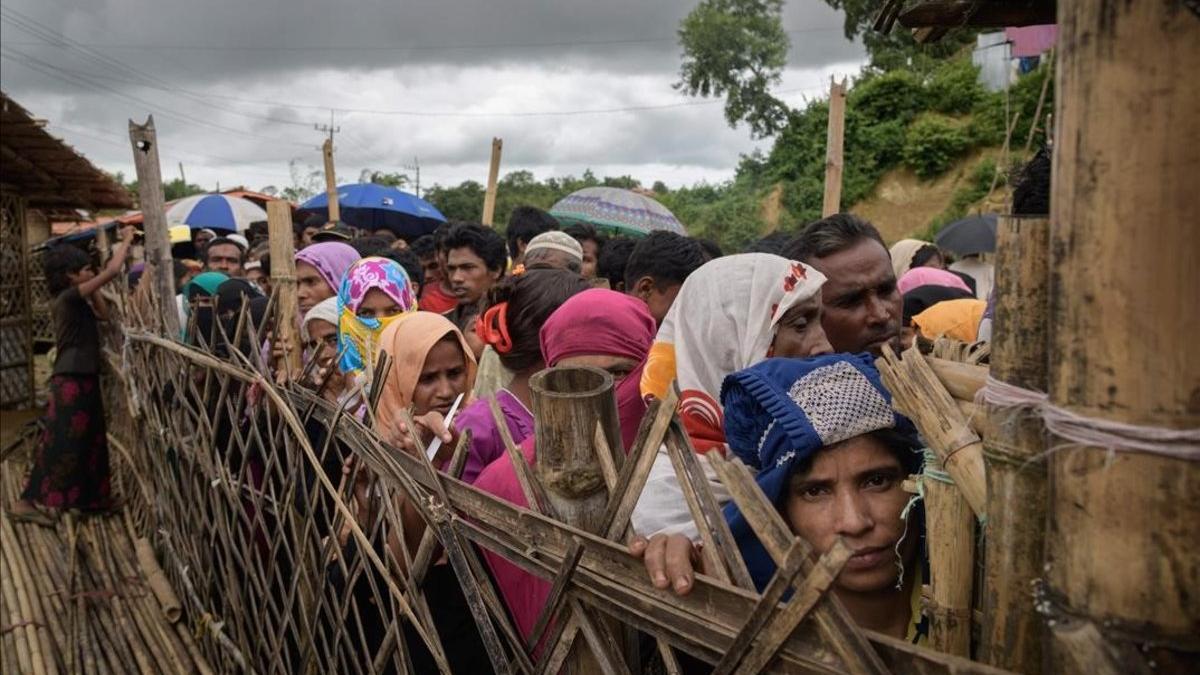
(1016, 476)
(489, 197)
(1123, 526)
(154, 224)
(832, 201)
(283, 283)
(34, 628)
(918, 393)
(950, 533)
(157, 580)
(331, 193)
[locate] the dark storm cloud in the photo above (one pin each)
(236, 87)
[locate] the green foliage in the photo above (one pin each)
(736, 49)
(177, 189)
(396, 180)
(894, 95)
(931, 145)
(954, 88)
(727, 213)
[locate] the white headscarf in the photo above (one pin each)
(326, 310)
(722, 321)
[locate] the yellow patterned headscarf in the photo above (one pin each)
(358, 337)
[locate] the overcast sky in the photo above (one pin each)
(236, 87)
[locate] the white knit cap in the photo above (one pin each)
(555, 240)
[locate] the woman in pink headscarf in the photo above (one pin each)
(599, 328)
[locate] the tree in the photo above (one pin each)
(306, 181)
(737, 49)
(177, 189)
(396, 180)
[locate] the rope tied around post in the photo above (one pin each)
(1084, 431)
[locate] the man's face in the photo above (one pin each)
(853, 490)
(468, 275)
(226, 258)
(200, 239)
(862, 306)
(432, 267)
(658, 300)
(306, 237)
(591, 251)
(311, 287)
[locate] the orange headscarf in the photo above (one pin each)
(958, 319)
(407, 343)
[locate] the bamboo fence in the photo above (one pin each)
(236, 484)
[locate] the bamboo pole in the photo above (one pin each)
(836, 129)
(154, 224)
(283, 283)
(918, 394)
(489, 197)
(568, 405)
(950, 531)
(159, 585)
(1123, 526)
(1016, 477)
(331, 193)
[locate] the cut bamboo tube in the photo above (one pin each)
(157, 581)
(567, 404)
(919, 394)
(1011, 633)
(950, 532)
(1123, 526)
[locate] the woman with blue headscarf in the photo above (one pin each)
(830, 453)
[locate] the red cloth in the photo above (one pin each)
(600, 321)
(436, 299)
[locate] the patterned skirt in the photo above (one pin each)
(71, 468)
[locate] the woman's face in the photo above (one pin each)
(853, 490)
(322, 341)
(311, 287)
(617, 366)
(799, 333)
(442, 378)
(378, 305)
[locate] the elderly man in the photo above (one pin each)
(556, 250)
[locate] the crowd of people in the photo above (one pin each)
(772, 352)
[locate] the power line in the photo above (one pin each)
(53, 38)
(415, 48)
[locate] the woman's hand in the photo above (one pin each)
(429, 426)
(671, 560)
(331, 382)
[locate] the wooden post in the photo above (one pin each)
(331, 193)
(1121, 549)
(950, 526)
(833, 148)
(154, 223)
(1016, 474)
(567, 404)
(283, 285)
(489, 198)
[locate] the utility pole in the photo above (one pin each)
(335, 213)
(182, 177)
(415, 167)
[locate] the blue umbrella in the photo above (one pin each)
(369, 206)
